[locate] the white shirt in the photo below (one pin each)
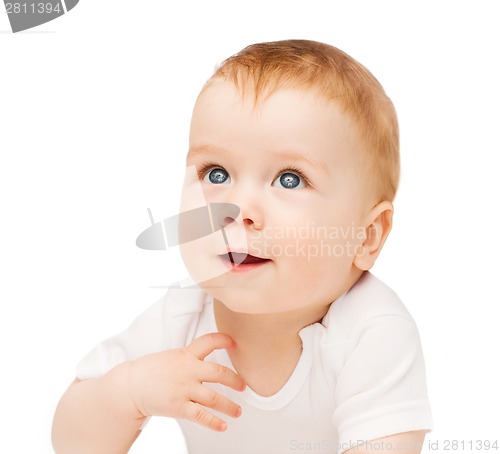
(361, 374)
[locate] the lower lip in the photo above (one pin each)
(242, 267)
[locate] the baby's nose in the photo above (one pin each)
(250, 202)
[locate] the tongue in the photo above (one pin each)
(252, 259)
(245, 259)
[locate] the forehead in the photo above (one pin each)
(218, 91)
(288, 117)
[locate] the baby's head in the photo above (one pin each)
(304, 140)
(259, 70)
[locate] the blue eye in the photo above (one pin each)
(289, 180)
(217, 176)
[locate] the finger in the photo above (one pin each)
(211, 399)
(196, 413)
(204, 345)
(216, 373)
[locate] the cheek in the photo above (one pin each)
(316, 259)
(317, 250)
(311, 235)
(317, 274)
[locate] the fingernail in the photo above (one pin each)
(223, 426)
(238, 412)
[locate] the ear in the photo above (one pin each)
(379, 223)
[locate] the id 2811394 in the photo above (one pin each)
(32, 8)
(464, 445)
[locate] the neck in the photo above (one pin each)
(268, 346)
(264, 329)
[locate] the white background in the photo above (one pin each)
(94, 117)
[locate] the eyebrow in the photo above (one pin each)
(283, 154)
(302, 157)
(204, 149)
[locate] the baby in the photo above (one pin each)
(285, 330)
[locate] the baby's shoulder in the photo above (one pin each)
(368, 299)
(366, 324)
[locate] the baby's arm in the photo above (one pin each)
(96, 415)
(104, 415)
(404, 443)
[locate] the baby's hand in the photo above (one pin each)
(170, 383)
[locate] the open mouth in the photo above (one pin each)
(238, 259)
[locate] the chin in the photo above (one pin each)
(235, 299)
(252, 301)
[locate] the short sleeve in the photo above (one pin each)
(143, 336)
(381, 388)
(169, 323)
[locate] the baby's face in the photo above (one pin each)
(292, 166)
